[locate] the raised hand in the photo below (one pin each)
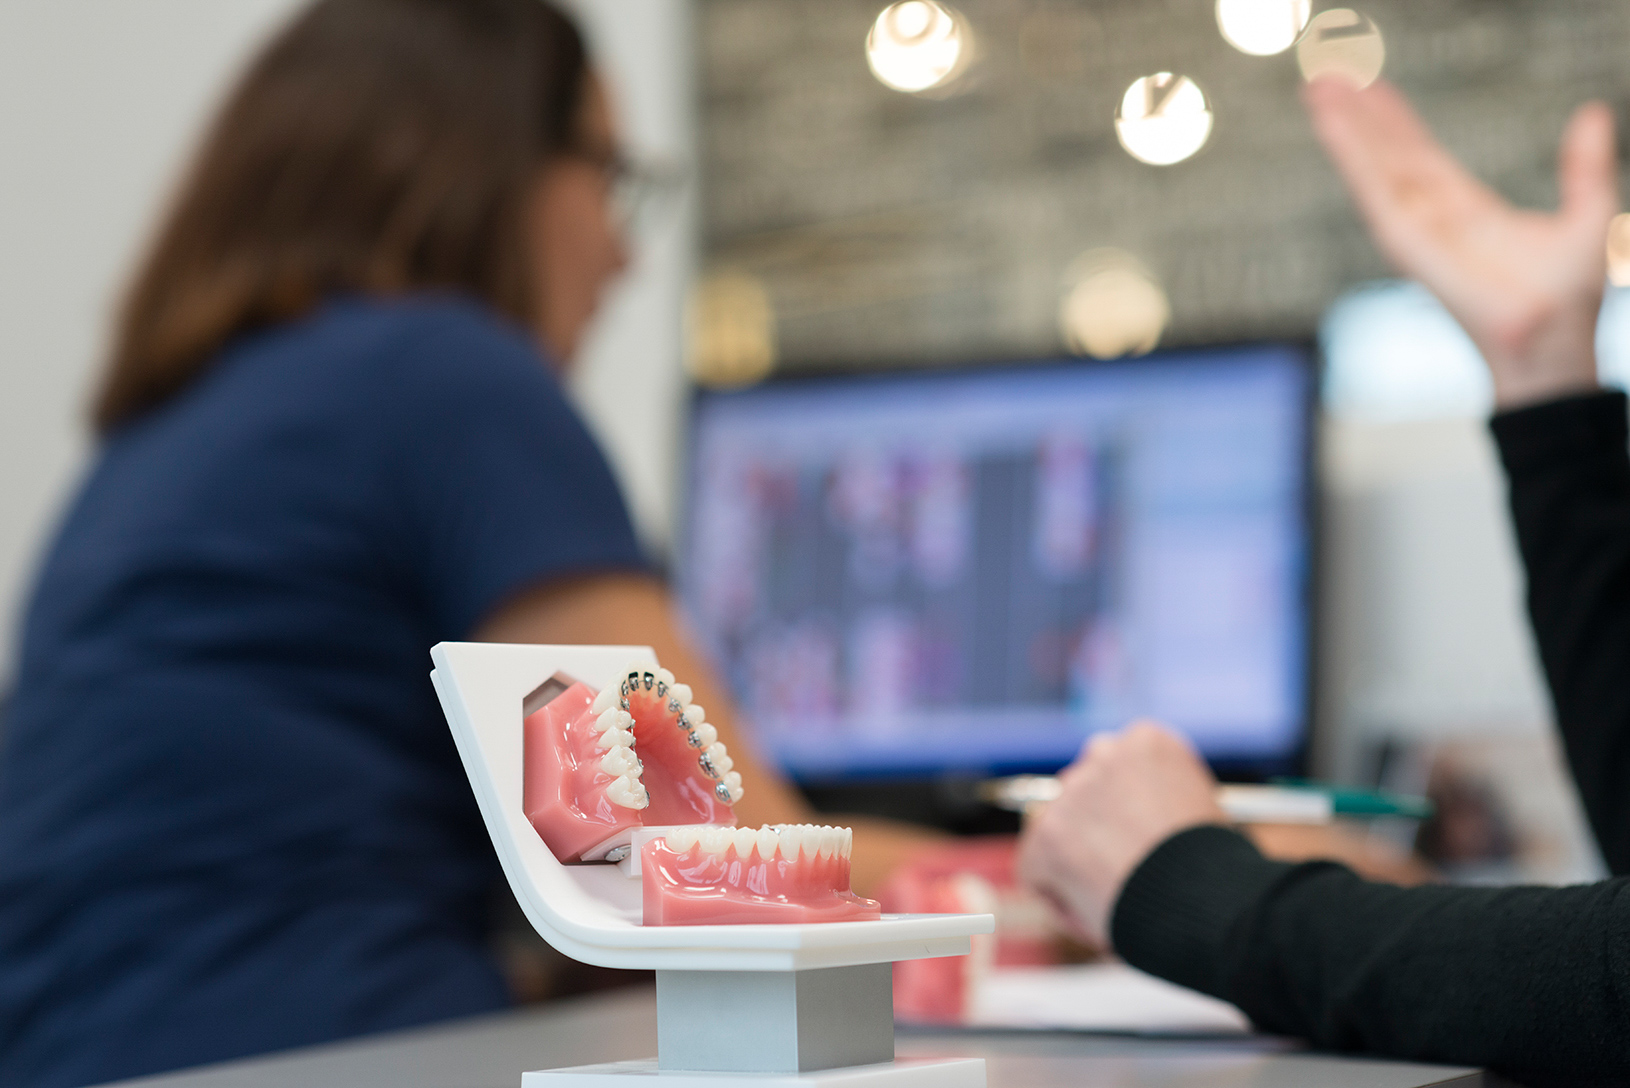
(1526, 286)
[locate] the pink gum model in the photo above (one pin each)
(788, 874)
(581, 796)
(687, 771)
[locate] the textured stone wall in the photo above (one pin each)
(888, 228)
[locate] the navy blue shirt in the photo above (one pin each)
(231, 815)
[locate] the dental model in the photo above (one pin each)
(637, 753)
(720, 875)
(687, 770)
(599, 766)
(582, 789)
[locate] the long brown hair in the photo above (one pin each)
(373, 146)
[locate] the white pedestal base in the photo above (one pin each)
(811, 1000)
(900, 1073)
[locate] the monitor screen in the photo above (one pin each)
(972, 571)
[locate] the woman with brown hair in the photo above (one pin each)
(231, 817)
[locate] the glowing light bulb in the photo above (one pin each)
(917, 45)
(731, 323)
(1112, 306)
(1262, 27)
(1163, 119)
(1344, 43)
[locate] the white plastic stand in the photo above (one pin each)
(749, 1006)
(900, 1073)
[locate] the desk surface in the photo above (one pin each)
(493, 1051)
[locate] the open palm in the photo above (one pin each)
(1525, 285)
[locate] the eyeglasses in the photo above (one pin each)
(643, 194)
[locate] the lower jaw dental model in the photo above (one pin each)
(639, 754)
(786, 873)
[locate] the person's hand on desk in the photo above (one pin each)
(1526, 286)
(1130, 791)
(1125, 795)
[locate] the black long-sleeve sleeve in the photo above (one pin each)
(1570, 501)
(1531, 982)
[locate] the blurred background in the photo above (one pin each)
(925, 187)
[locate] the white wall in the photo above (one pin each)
(100, 101)
(1427, 638)
(1425, 628)
(630, 381)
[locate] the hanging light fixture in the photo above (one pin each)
(1112, 305)
(731, 327)
(1163, 119)
(1262, 27)
(1342, 42)
(917, 45)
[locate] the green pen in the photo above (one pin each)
(1353, 802)
(1283, 801)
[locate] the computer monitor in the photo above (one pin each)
(971, 571)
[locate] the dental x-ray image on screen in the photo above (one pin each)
(975, 570)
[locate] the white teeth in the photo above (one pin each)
(703, 736)
(792, 841)
(616, 738)
(732, 785)
(634, 674)
(720, 759)
(680, 692)
(803, 841)
(812, 840)
(789, 841)
(605, 700)
(681, 839)
(695, 714)
(613, 719)
(628, 793)
(665, 678)
(621, 761)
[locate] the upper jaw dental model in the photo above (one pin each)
(639, 753)
(582, 789)
(687, 771)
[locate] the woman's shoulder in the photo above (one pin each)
(422, 353)
(365, 370)
(429, 336)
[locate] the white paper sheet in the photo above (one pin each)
(1109, 997)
